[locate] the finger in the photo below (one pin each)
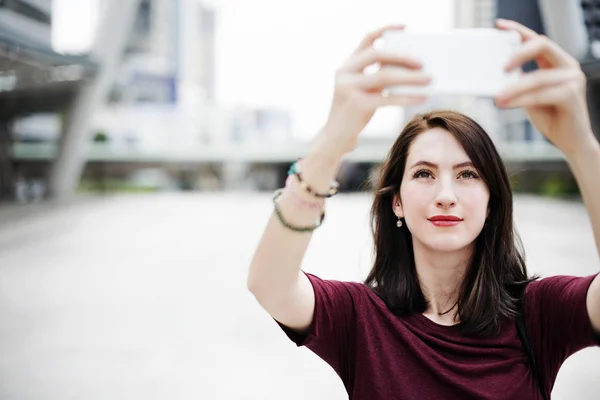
(546, 96)
(360, 61)
(535, 81)
(376, 101)
(371, 37)
(391, 77)
(536, 48)
(526, 33)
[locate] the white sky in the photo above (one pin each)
(281, 52)
(74, 24)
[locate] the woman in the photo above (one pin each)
(436, 316)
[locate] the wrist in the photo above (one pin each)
(329, 145)
(588, 146)
(300, 197)
(324, 156)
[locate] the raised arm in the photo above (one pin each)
(555, 100)
(275, 277)
(585, 164)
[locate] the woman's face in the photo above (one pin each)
(443, 200)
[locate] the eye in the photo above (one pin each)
(423, 173)
(468, 175)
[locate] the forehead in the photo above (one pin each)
(437, 145)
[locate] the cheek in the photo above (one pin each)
(414, 192)
(416, 200)
(476, 199)
(475, 203)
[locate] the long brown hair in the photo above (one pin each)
(497, 276)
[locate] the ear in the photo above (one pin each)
(397, 206)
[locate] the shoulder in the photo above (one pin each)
(558, 302)
(557, 319)
(559, 285)
(342, 290)
(334, 285)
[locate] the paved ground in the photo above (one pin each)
(144, 297)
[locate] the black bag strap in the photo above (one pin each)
(522, 331)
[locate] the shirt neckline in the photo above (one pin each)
(438, 327)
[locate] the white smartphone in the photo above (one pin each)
(460, 61)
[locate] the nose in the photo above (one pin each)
(446, 198)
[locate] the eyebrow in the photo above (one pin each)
(432, 165)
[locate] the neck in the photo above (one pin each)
(441, 276)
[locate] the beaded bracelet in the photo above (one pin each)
(299, 201)
(276, 197)
(296, 170)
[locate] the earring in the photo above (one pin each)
(399, 222)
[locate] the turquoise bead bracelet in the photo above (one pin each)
(296, 170)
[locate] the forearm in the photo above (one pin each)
(277, 260)
(585, 165)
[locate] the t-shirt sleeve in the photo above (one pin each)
(331, 332)
(557, 321)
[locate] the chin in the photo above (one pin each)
(448, 247)
(447, 244)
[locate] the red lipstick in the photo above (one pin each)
(445, 220)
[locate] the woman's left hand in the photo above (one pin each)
(554, 96)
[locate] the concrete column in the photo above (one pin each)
(113, 32)
(563, 23)
(6, 170)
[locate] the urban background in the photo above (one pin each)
(138, 106)
(139, 143)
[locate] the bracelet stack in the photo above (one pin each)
(296, 171)
(317, 205)
(294, 228)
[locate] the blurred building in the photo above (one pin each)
(36, 84)
(162, 111)
(274, 124)
(31, 19)
(474, 13)
(575, 26)
(260, 125)
(165, 86)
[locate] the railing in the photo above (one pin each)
(367, 151)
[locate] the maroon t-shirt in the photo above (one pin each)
(379, 355)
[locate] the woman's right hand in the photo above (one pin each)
(358, 95)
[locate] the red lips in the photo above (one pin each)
(450, 218)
